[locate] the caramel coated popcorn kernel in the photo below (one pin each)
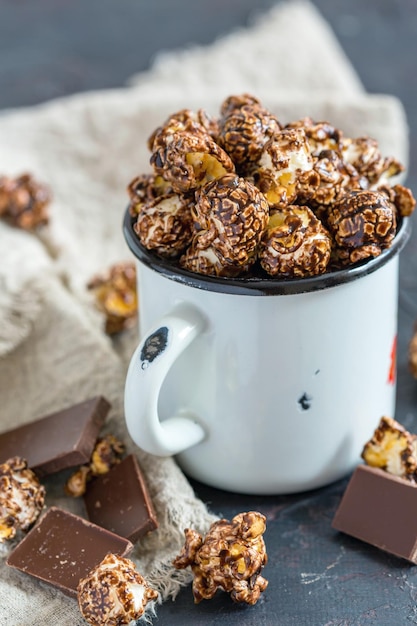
(22, 497)
(24, 201)
(115, 294)
(393, 449)
(230, 557)
(114, 593)
(295, 244)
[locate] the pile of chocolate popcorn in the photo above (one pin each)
(244, 194)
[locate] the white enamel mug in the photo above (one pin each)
(263, 386)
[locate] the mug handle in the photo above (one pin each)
(149, 365)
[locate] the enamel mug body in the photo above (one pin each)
(263, 386)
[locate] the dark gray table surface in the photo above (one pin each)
(51, 48)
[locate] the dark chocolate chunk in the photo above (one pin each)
(62, 548)
(120, 502)
(381, 509)
(59, 440)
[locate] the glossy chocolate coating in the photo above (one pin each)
(62, 548)
(59, 440)
(381, 509)
(119, 501)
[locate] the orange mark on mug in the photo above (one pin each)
(393, 362)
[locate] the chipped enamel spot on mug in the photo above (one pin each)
(154, 345)
(304, 402)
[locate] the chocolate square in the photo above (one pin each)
(58, 441)
(381, 509)
(120, 502)
(62, 548)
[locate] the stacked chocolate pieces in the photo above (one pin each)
(62, 548)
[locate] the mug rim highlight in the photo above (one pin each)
(253, 286)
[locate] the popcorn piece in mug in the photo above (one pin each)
(184, 120)
(363, 223)
(230, 557)
(320, 135)
(144, 189)
(189, 159)
(295, 244)
(245, 128)
(114, 593)
(232, 215)
(165, 225)
(364, 155)
(22, 497)
(283, 159)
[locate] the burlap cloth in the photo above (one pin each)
(53, 351)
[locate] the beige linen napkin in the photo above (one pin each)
(53, 351)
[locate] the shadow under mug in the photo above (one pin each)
(263, 386)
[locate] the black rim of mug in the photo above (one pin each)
(256, 286)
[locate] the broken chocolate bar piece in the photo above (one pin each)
(59, 440)
(380, 509)
(63, 548)
(119, 501)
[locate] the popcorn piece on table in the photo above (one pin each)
(22, 497)
(107, 453)
(24, 201)
(393, 449)
(230, 557)
(115, 295)
(295, 244)
(114, 593)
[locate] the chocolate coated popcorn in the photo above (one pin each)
(363, 223)
(24, 201)
(107, 453)
(22, 497)
(189, 158)
(231, 215)
(114, 593)
(230, 557)
(393, 449)
(295, 244)
(247, 196)
(115, 294)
